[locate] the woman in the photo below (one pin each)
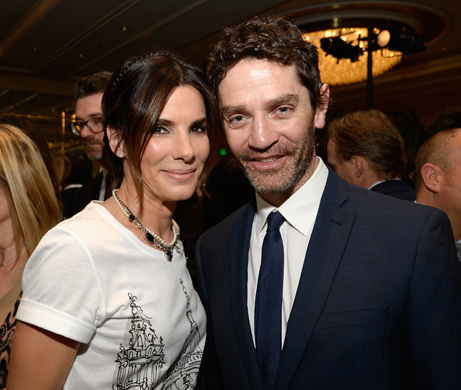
(108, 302)
(33, 130)
(28, 209)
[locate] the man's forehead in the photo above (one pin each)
(259, 69)
(266, 79)
(89, 106)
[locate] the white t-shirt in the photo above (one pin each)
(137, 316)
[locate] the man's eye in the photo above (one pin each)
(284, 109)
(236, 119)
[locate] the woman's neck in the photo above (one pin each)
(153, 214)
(7, 241)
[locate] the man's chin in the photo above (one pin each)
(94, 154)
(268, 183)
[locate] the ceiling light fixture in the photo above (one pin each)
(343, 55)
(403, 41)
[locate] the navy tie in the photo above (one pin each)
(268, 305)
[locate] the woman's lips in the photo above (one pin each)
(180, 175)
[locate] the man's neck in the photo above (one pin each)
(277, 199)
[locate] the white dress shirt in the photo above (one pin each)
(300, 212)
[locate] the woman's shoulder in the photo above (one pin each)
(91, 221)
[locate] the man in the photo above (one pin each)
(438, 177)
(353, 290)
(89, 124)
(367, 150)
(81, 172)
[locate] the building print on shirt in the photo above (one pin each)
(183, 373)
(141, 363)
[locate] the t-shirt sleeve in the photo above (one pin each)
(61, 288)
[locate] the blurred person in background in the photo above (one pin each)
(89, 124)
(81, 172)
(34, 132)
(28, 209)
(110, 285)
(366, 149)
(438, 177)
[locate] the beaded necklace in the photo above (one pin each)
(150, 236)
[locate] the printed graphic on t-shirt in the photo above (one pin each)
(141, 363)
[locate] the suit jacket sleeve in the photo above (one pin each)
(433, 326)
(209, 377)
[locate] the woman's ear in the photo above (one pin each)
(115, 142)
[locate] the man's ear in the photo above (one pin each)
(115, 142)
(358, 164)
(321, 111)
(432, 177)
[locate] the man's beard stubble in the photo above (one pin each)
(295, 170)
(93, 147)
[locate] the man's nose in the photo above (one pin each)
(85, 131)
(262, 133)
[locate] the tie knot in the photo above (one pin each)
(274, 220)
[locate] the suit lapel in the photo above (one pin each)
(238, 271)
(324, 253)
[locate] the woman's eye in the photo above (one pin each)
(199, 129)
(158, 129)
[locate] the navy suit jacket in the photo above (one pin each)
(397, 189)
(377, 307)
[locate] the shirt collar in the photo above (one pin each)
(300, 210)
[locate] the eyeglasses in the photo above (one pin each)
(95, 125)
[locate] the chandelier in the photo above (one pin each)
(346, 56)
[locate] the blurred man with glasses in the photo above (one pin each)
(89, 124)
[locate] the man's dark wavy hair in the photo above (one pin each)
(270, 38)
(92, 84)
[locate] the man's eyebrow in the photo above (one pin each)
(93, 115)
(226, 110)
(288, 98)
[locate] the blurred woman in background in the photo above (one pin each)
(108, 302)
(35, 133)
(28, 209)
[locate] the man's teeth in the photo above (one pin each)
(267, 160)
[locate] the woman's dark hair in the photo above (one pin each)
(134, 99)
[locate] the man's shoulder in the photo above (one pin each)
(397, 189)
(88, 192)
(373, 205)
(94, 183)
(225, 227)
